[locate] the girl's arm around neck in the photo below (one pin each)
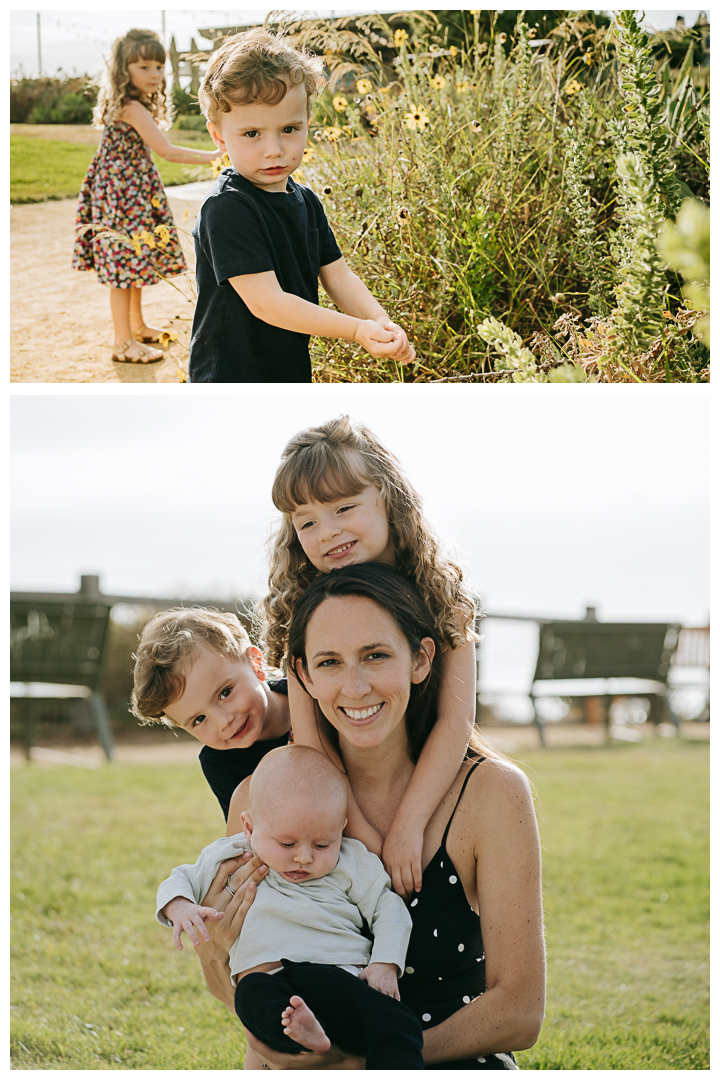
(435, 771)
(140, 118)
(496, 818)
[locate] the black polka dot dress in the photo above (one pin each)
(445, 965)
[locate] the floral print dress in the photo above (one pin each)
(123, 192)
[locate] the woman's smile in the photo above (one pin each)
(361, 715)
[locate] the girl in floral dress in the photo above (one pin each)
(123, 192)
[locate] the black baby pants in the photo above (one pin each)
(353, 1015)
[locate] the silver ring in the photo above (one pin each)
(227, 886)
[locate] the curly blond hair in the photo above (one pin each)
(256, 66)
(166, 645)
(338, 459)
(116, 90)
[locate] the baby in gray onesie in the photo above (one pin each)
(304, 936)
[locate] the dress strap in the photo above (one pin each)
(462, 792)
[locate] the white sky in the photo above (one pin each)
(75, 40)
(555, 497)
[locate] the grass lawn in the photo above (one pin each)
(42, 169)
(97, 984)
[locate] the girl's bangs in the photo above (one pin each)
(321, 478)
(148, 50)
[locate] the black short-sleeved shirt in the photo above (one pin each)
(225, 769)
(243, 230)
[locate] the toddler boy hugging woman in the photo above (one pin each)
(261, 239)
(305, 973)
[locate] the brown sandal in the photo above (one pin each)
(147, 356)
(153, 339)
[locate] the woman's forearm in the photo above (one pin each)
(216, 969)
(493, 1023)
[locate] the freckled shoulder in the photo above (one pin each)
(498, 795)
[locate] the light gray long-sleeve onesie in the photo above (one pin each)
(318, 921)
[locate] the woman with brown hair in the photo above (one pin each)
(363, 646)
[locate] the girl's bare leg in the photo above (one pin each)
(120, 301)
(139, 329)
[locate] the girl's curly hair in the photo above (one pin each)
(338, 459)
(116, 89)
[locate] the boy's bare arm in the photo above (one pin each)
(349, 293)
(268, 301)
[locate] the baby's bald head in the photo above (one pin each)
(296, 812)
(293, 775)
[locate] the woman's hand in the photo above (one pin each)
(266, 1058)
(245, 874)
(402, 858)
(242, 875)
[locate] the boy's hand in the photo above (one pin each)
(187, 916)
(382, 977)
(402, 858)
(405, 353)
(375, 339)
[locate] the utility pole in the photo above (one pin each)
(39, 47)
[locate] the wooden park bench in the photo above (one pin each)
(585, 650)
(57, 643)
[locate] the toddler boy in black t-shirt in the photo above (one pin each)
(262, 240)
(196, 669)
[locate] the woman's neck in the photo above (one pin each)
(379, 777)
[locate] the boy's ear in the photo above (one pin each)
(246, 823)
(257, 660)
(216, 135)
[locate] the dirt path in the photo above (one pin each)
(60, 326)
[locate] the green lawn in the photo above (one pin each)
(98, 985)
(43, 169)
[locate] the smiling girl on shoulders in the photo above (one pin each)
(345, 499)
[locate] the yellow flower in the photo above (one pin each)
(403, 215)
(340, 103)
(185, 215)
(437, 81)
(572, 87)
(136, 244)
(453, 51)
(476, 11)
(532, 33)
(588, 58)
(347, 130)
(364, 86)
(163, 232)
(308, 153)
(331, 134)
(155, 202)
(417, 119)
(327, 190)
(166, 337)
(502, 38)
(400, 37)
(463, 87)
(476, 126)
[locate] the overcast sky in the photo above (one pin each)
(76, 40)
(554, 498)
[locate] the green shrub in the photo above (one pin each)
(62, 100)
(191, 123)
(184, 102)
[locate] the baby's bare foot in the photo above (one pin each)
(301, 1025)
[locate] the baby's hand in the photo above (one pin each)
(187, 916)
(382, 977)
(402, 858)
(375, 339)
(404, 354)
